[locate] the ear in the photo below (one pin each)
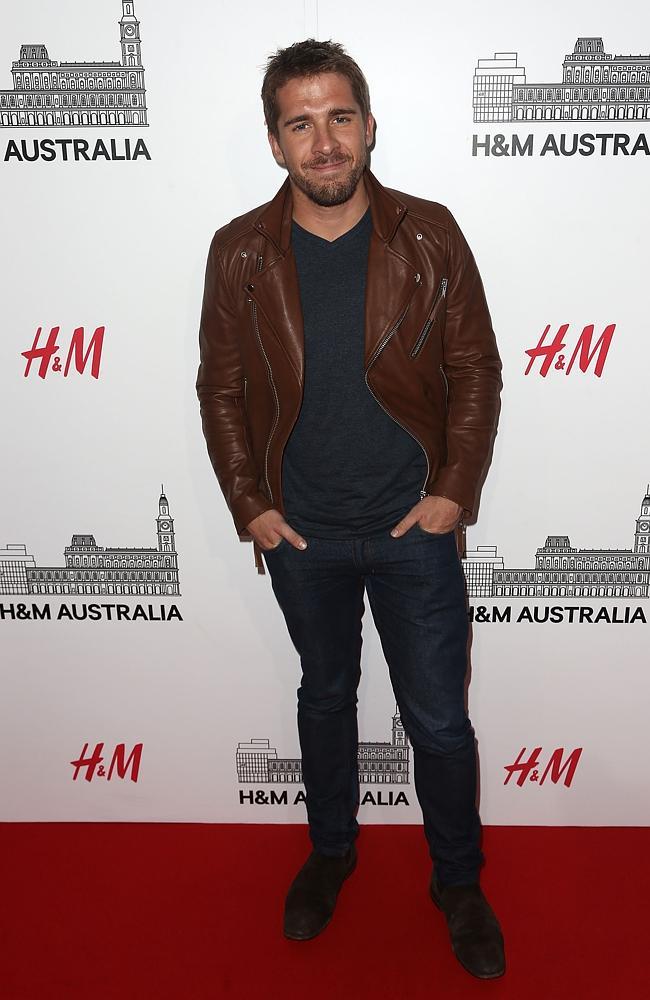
(278, 155)
(370, 129)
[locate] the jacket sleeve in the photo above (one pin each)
(220, 388)
(472, 367)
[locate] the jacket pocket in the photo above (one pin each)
(431, 318)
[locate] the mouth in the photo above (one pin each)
(328, 167)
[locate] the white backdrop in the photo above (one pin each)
(121, 244)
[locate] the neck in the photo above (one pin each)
(329, 222)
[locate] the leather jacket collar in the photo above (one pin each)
(274, 221)
(391, 282)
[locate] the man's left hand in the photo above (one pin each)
(435, 514)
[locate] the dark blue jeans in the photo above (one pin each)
(416, 590)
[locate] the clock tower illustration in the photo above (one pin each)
(130, 35)
(642, 535)
(165, 522)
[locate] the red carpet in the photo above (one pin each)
(193, 912)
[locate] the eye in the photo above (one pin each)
(342, 119)
(300, 126)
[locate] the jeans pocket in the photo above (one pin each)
(274, 548)
(433, 534)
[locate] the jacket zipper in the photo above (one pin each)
(258, 268)
(374, 357)
(380, 346)
(461, 523)
(419, 343)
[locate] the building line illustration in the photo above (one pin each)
(595, 86)
(379, 763)
(79, 94)
(563, 571)
(93, 569)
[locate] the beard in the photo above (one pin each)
(327, 193)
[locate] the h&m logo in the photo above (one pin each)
(583, 352)
(120, 763)
(76, 352)
(528, 769)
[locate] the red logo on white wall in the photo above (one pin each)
(50, 360)
(120, 765)
(578, 350)
(557, 766)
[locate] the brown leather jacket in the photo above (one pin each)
(431, 359)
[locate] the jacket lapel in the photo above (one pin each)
(391, 283)
(392, 280)
(275, 288)
(277, 295)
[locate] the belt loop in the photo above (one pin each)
(259, 562)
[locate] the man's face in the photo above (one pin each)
(323, 139)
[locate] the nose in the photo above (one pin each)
(325, 142)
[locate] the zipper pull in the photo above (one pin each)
(443, 287)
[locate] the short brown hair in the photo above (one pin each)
(309, 58)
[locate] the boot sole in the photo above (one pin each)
(310, 937)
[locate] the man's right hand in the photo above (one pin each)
(268, 530)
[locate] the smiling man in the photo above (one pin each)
(349, 387)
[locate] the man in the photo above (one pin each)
(349, 386)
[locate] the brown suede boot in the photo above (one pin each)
(476, 937)
(313, 893)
